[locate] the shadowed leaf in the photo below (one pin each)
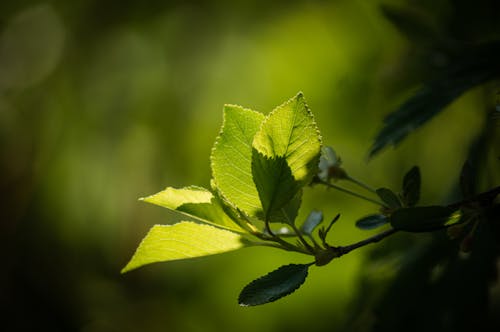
(389, 198)
(411, 187)
(414, 24)
(475, 66)
(275, 285)
(424, 218)
(372, 221)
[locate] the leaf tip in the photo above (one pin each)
(125, 269)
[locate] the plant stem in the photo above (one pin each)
(485, 196)
(374, 239)
(352, 193)
(361, 184)
(301, 238)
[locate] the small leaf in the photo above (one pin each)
(275, 285)
(372, 221)
(389, 198)
(286, 152)
(424, 218)
(181, 241)
(314, 218)
(232, 158)
(196, 202)
(411, 187)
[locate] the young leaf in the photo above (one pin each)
(232, 158)
(183, 240)
(411, 187)
(389, 198)
(275, 285)
(196, 202)
(424, 218)
(372, 221)
(286, 153)
(314, 218)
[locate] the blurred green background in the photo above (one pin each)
(103, 102)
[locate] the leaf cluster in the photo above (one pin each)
(260, 167)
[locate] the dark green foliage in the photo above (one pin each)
(414, 24)
(411, 187)
(424, 218)
(435, 289)
(372, 221)
(389, 198)
(274, 285)
(474, 66)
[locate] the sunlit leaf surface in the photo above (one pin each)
(183, 240)
(193, 201)
(286, 154)
(232, 158)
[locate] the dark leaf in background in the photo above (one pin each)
(424, 218)
(467, 179)
(274, 285)
(411, 187)
(473, 67)
(389, 198)
(412, 23)
(372, 221)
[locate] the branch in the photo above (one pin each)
(374, 239)
(484, 197)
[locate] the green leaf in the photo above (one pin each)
(474, 66)
(232, 158)
(411, 187)
(286, 155)
(389, 198)
(424, 218)
(196, 202)
(314, 218)
(372, 221)
(275, 285)
(181, 241)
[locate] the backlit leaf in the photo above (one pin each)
(286, 153)
(193, 201)
(181, 241)
(232, 158)
(275, 285)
